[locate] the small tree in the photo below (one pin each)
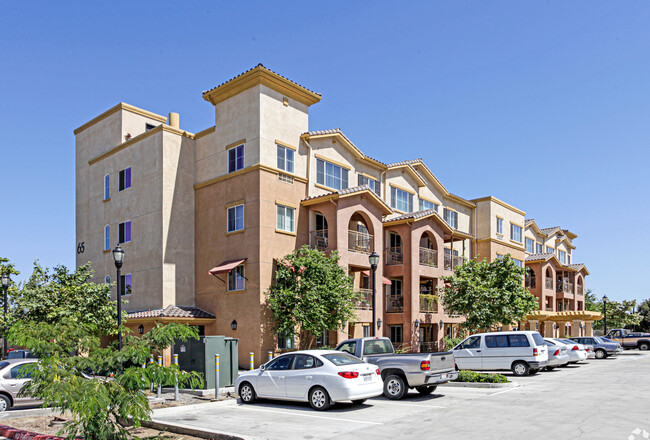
(6, 267)
(619, 314)
(488, 294)
(644, 311)
(311, 294)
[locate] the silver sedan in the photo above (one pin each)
(12, 380)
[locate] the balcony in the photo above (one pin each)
(428, 303)
(549, 283)
(318, 239)
(394, 304)
(394, 255)
(581, 290)
(365, 300)
(360, 242)
(428, 347)
(428, 257)
(565, 287)
(452, 262)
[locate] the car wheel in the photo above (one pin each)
(319, 399)
(5, 403)
(424, 390)
(394, 387)
(359, 401)
(644, 346)
(520, 368)
(550, 368)
(601, 354)
(247, 393)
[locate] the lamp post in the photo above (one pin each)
(118, 257)
(374, 260)
(605, 299)
(5, 286)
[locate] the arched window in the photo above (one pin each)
(530, 278)
(107, 187)
(107, 237)
(549, 279)
(107, 280)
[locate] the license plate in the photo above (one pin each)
(367, 377)
(444, 376)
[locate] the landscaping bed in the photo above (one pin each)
(474, 377)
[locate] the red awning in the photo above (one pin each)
(384, 280)
(226, 266)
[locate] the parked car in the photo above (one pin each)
(558, 354)
(577, 352)
(523, 352)
(602, 349)
(320, 377)
(628, 339)
(11, 382)
(19, 354)
(422, 371)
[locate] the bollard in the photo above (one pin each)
(176, 396)
(251, 355)
(216, 376)
(144, 381)
(270, 355)
(159, 395)
(151, 385)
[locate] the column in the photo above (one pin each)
(549, 329)
(575, 328)
(532, 324)
(562, 329)
(589, 328)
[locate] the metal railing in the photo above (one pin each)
(394, 303)
(394, 255)
(428, 257)
(318, 239)
(549, 283)
(428, 347)
(365, 301)
(452, 262)
(581, 290)
(531, 283)
(564, 286)
(360, 242)
(428, 303)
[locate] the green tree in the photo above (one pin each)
(644, 311)
(488, 294)
(619, 314)
(591, 302)
(7, 267)
(311, 294)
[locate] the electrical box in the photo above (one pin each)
(198, 355)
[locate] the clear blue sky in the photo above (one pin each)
(545, 105)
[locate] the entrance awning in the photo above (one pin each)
(226, 266)
(384, 280)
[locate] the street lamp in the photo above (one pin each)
(605, 299)
(374, 260)
(118, 257)
(5, 286)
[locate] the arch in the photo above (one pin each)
(549, 273)
(428, 249)
(531, 281)
(428, 241)
(360, 233)
(360, 222)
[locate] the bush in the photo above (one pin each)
(472, 376)
(452, 342)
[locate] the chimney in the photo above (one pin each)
(173, 120)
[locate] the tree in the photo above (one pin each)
(619, 314)
(592, 303)
(6, 267)
(488, 294)
(311, 294)
(644, 311)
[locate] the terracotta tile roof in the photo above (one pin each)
(420, 214)
(529, 221)
(172, 312)
(340, 192)
(405, 162)
(339, 132)
(577, 266)
(538, 257)
(549, 230)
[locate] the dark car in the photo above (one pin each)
(20, 354)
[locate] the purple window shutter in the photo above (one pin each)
(127, 231)
(127, 178)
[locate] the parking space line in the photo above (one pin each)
(504, 391)
(338, 419)
(402, 403)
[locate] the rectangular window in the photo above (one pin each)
(235, 218)
(425, 204)
(366, 331)
(396, 333)
(519, 263)
(401, 200)
(125, 179)
(236, 158)
(499, 225)
(568, 259)
(518, 341)
(286, 342)
(323, 339)
(515, 232)
(236, 280)
(561, 256)
(530, 245)
(125, 285)
(451, 217)
(107, 187)
(372, 183)
(396, 287)
(330, 175)
(107, 238)
(539, 248)
(148, 127)
(549, 250)
(285, 159)
(124, 232)
(286, 218)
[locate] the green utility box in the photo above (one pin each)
(198, 355)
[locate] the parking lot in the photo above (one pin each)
(600, 399)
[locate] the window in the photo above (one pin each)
(339, 359)
(124, 232)
(451, 217)
(235, 218)
(539, 248)
(366, 331)
(323, 339)
(396, 287)
(401, 200)
(425, 204)
(377, 346)
(561, 256)
(286, 218)
(125, 179)
(396, 333)
(286, 342)
(499, 341)
(304, 361)
(148, 127)
(471, 343)
(236, 158)
(107, 238)
(518, 341)
(125, 284)
(549, 250)
(518, 263)
(568, 259)
(330, 175)
(372, 183)
(107, 187)
(285, 159)
(236, 279)
(107, 279)
(515, 232)
(280, 363)
(349, 347)
(18, 372)
(499, 225)
(531, 280)
(530, 245)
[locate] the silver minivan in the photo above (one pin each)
(523, 352)
(11, 382)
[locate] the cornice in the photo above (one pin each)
(118, 107)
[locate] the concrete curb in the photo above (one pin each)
(178, 428)
(478, 385)
(19, 434)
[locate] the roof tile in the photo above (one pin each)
(172, 312)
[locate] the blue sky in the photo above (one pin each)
(542, 104)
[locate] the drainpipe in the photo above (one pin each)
(308, 166)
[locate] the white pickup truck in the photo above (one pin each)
(422, 371)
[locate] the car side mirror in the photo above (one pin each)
(262, 367)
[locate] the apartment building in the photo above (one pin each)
(203, 217)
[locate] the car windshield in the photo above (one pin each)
(377, 346)
(606, 340)
(599, 340)
(342, 358)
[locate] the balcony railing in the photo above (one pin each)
(365, 300)
(581, 290)
(452, 262)
(549, 283)
(564, 286)
(428, 303)
(394, 255)
(318, 239)
(428, 347)
(428, 257)
(360, 242)
(394, 303)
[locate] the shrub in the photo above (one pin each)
(472, 376)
